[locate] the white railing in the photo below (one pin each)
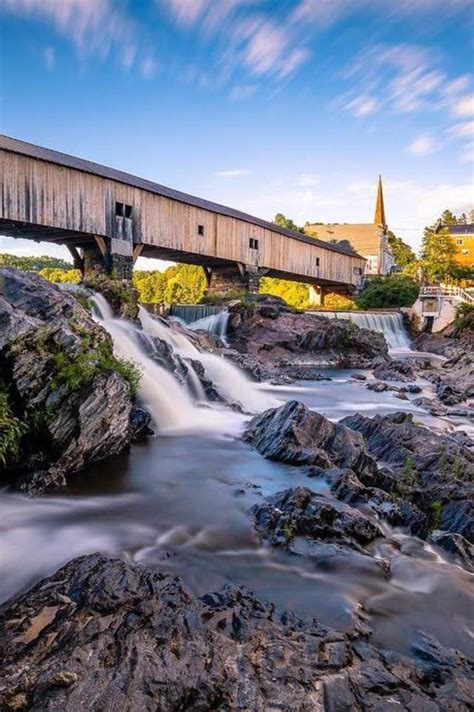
(465, 294)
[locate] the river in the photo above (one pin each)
(180, 501)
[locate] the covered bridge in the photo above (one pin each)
(108, 218)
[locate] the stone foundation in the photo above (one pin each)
(112, 264)
(224, 280)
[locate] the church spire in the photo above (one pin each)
(379, 218)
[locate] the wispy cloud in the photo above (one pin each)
(93, 26)
(423, 145)
(235, 173)
(49, 57)
(362, 106)
(464, 106)
(307, 180)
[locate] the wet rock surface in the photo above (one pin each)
(299, 511)
(273, 340)
(434, 472)
(297, 435)
(74, 408)
(105, 634)
(408, 475)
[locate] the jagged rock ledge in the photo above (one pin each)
(66, 400)
(105, 634)
(269, 339)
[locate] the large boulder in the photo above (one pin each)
(109, 635)
(434, 471)
(300, 512)
(274, 339)
(65, 403)
(297, 435)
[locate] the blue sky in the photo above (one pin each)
(292, 106)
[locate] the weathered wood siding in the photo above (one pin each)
(48, 194)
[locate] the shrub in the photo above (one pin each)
(11, 430)
(393, 291)
(465, 316)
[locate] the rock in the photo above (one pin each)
(280, 342)
(297, 435)
(434, 471)
(395, 370)
(462, 551)
(358, 377)
(58, 367)
(379, 387)
(454, 380)
(127, 638)
(140, 424)
(301, 512)
(431, 405)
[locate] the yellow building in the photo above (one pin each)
(463, 238)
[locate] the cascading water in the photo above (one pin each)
(390, 324)
(171, 407)
(227, 378)
(215, 323)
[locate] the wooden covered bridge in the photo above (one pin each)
(107, 218)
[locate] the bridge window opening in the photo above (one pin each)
(253, 243)
(358, 270)
(200, 229)
(317, 261)
(123, 211)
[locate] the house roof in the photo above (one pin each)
(8, 143)
(459, 229)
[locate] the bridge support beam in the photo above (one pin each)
(233, 278)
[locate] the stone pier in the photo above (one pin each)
(232, 278)
(111, 257)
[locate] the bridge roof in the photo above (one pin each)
(63, 159)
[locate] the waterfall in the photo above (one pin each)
(101, 307)
(215, 323)
(390, 324)
(189, 313)
(228, 379)
(171, 406)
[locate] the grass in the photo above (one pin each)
(11, 429)
(78, 371)
(436, 514)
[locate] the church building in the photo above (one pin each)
(367, 239)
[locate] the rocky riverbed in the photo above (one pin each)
(317, 555)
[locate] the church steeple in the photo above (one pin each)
(379, 218)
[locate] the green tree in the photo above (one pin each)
(438, 254)
(151, 286)
(394, 291)
(296, 294)
(33, 264)
(448, 218)
(287, 223)
(402, 253)
(187, 285)
(61, 276)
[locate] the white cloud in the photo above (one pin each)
(467, 155)
(466, 129)
(243, 91)
(464, 106)
(362, 106)
(93, 26)
(235, 173)
(49, 57)
(422, 145)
